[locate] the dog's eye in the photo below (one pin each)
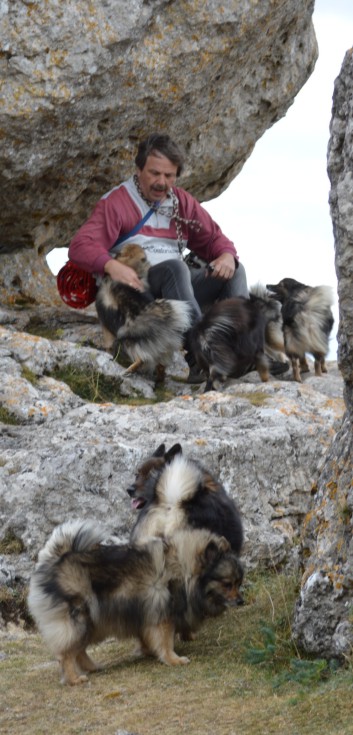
(227, 585)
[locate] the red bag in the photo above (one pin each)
(76, 287)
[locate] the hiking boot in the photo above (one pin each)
(276, 367)
(195, 375)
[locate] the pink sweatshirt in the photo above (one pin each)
(119, 211)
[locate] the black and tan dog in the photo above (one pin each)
(307, 323)
(149, 331)
(172, 492)
(229, 341)
(85, 589)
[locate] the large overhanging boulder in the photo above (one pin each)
(82, 82)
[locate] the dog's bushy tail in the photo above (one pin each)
(320, 298)
(157, 330)
(317, 320)
(179, 481)
(259, 291)
(75, 535)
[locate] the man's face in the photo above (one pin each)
(157, 177)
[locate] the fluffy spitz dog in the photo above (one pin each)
(307, 323)
(149, 331)
(172, 492)
(229, 341)
(85, 589)
(272, 310)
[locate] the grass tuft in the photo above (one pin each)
(11, 544)
(97, 388)
(6, 417)
(29, 375)
(13, 605)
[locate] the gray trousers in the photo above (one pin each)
(173, 279)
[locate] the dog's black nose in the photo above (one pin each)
(131, 491)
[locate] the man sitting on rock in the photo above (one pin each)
(176, 221)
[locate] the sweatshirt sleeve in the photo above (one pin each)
(113, 215)
(209, 241)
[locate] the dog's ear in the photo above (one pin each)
(210, 484)
(211, 553)
(160, 451)
(214, 549)
(172, 452)
(223, 545)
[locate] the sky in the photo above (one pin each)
(276, 210)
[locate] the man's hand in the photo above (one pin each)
(123, 273)
(223, 267)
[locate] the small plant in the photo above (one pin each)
(306, 672)
(29, 375)
(346, 513)
(11, 544)
(97, 388)
(89, 385)
(39, 328)
(6, 417)
(120, 355)
(266, 651)
(13, 605)
(277, 653)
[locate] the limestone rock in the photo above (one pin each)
(67, 457)
(340, 167)
(81, 84)
(323, 620)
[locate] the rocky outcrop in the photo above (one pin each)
(81, 84)
(323, 620)
(340, 168)
(78, 89)
(64, 456)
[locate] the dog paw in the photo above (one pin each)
(183, 660)
(82, 679)
(179, 661)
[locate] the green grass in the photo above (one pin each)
(11, 544)
(40, 328)
(97, 388)
(6, 417)
(221, 691)
(29, 375)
